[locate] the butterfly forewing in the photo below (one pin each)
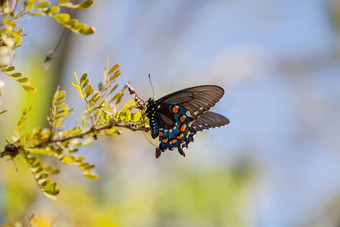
(196, 100)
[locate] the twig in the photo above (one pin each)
(92, 130)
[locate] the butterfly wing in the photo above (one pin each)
(196, 100)
(209, 120)
(164, 116)
(205, 121)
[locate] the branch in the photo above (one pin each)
(132, 127)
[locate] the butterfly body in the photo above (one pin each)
(177, 117)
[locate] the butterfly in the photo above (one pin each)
(177, 117)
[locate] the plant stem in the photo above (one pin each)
(90, 131)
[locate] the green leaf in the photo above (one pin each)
(75, 76)
(20, 31)
(63, 1)
(85, 4)
(42, 5)
(22, 79)
(117, 96)
(38, 14)
(88, 91)
(1, 112)
(95, 97)
(77, 26)
(113, 69)
(51, 188)
(55, 172)
(77, 86)
(117, 74)
(48, 168)
(10, 68)
(83, 78)
(37, 170)
(18, 39)
(67, 159)
(30, 5)
(113, 89)
(91, 176)
(16, 74)
(29, 88)
(87, 30)
(112, 132)
(87, 81)
(61, 17)
(61, 93)
(136, 117)
(103, 103)
(100, 86)
(72, 22)
(53, 10)
(42, 176)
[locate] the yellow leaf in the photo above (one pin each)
(61, 17)
(137, 116)
(29, 88)
(75, 76)
(85, 4)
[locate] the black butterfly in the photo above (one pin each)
(177, 117)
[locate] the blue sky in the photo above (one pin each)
(277, 63)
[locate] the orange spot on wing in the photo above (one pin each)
(183, 128)
(182, 118)
(175, 109)
(165, 140)
(173, 141)
(160, 133)
(180, 136)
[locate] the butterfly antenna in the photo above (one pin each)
(153, 91)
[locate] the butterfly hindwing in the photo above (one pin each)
(171, 138)
(209, 120)
(205, 121)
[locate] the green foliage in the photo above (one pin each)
(11, 34)
(83, 166)
(43, 8)
(17, 76)
(41, 174)
(58, 111)
(23, 119)
(52, 10)
(100, 117)
(83, 5)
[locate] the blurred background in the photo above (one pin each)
(276, 164)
